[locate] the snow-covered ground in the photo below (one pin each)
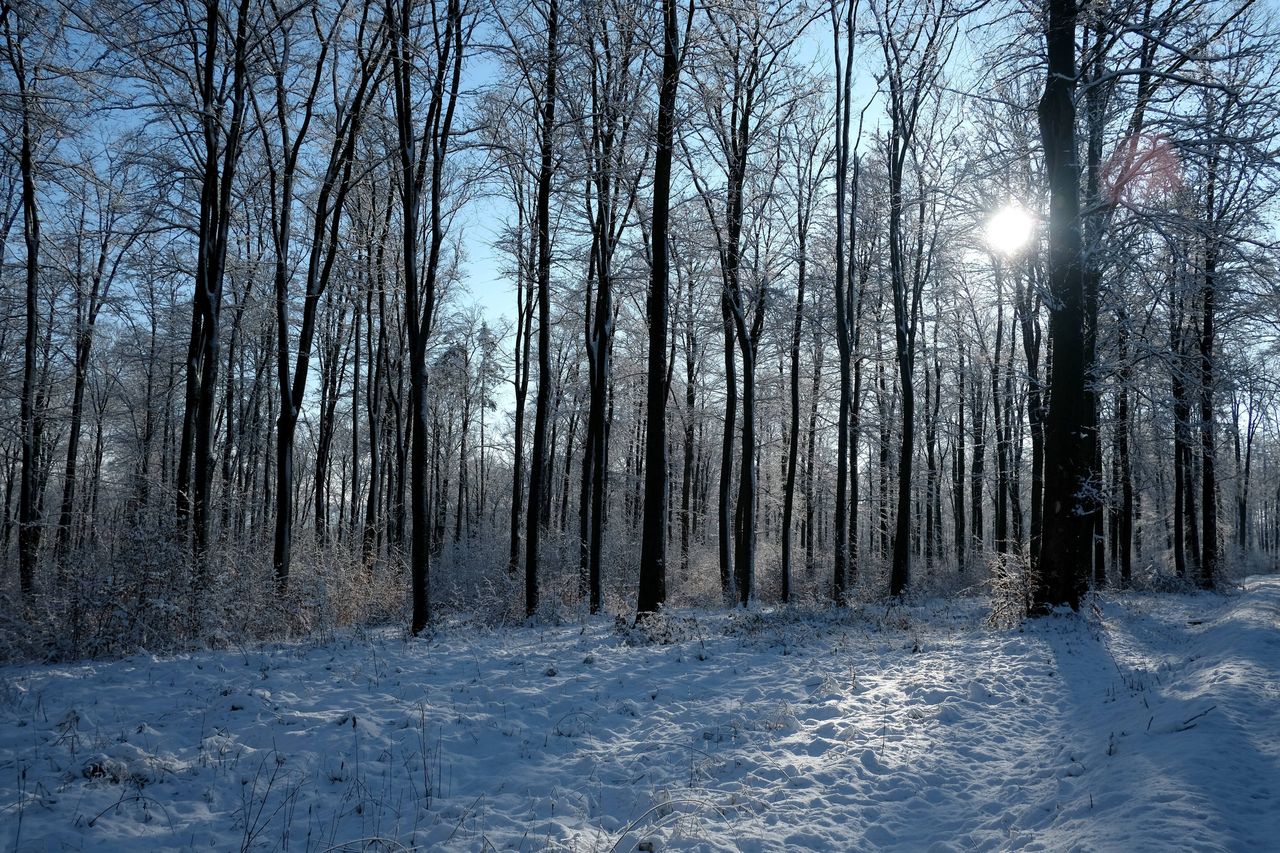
(1150, 722)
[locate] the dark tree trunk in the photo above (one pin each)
(1124, 472)
(28, 515)
(998, 404)
(905, 312)
(418, 152)
(912, 65)
(1186, 533)
(744, 546)
(87, 306)
(218, 173)
(885, 406)
(958, 469)
(690, 401)
(933, 491)
(538, 473)
(652, 591)
(373, 398)
(599, 431)
(595, 406)
(1029, 320)
(1064, 551)
(793, 433)
(524, 354)
(844, 82)
(978, 464)
(810, 456)
(326, 222)
(1208, 440)
(1014, 403)
(724, 513)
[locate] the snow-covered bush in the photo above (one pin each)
(1012, 584)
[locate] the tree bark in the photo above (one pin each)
(538, 475)
(844, 94)
(652, 591)
(418, 152)
(28, 514)
(1064, 547)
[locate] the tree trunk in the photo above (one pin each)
(1124, 528)
(652, 591)
(690, 401)
(28, 515)
(215, 219)
(87, 315)
(1208, 441)
(958, 469)
(724, 516)
(420, 306)
(810, 457)
(793, 436)
(904, 316)
(1029, 321)
(1064, 549)
(1001, 532)
(524, 354)
(538, 475)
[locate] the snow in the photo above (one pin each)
(1148, 722)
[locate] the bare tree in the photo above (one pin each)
(1064, 547)
(915, 41)
(653, 554)
(423, 142)
(24, 56)
(284, 145)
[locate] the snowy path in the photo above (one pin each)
(1150, 724)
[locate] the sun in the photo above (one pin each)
(1010, 229)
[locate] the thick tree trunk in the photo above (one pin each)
(900, 572)
(1064, 551)
(652, 591)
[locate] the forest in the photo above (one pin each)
(344, 312)
(638, 425)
